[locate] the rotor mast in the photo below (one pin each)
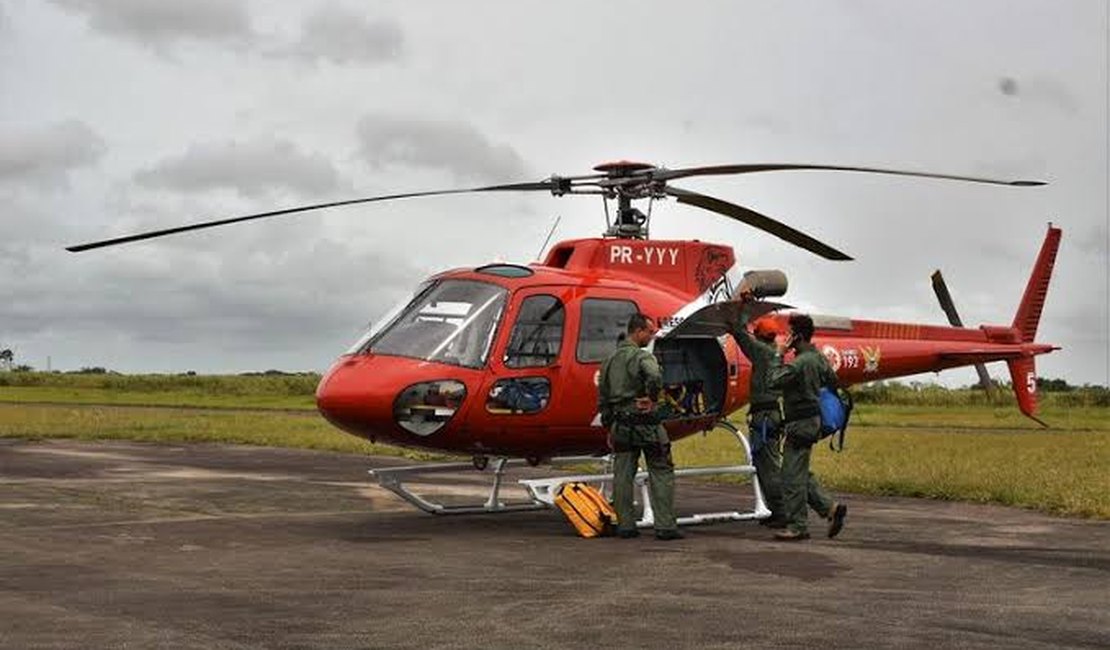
(631, 222)
(626, 183)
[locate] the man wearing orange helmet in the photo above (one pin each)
(764, 414)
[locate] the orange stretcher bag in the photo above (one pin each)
(586, 509)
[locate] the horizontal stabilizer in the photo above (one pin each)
(982, 356)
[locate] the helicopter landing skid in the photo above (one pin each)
(544, 490)
(394, 478)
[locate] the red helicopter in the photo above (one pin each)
(500, 360)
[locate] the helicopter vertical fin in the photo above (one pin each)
(1023, 370)
(1023, 375)
(1028, 315)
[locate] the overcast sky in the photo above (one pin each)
(124, 115)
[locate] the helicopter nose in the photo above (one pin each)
(350, 396)
(392, 398)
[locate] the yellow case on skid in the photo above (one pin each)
(586, 509)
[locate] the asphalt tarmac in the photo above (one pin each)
(121, 545)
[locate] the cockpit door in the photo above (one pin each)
(528, 360)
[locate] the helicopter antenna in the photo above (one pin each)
(551, 232)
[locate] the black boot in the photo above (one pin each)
(836, 519)
(667, 535)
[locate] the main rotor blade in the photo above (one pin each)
(719, 170)
(515, 187)
(949, 307)
(756, 220)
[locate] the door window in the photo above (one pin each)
(537, 334)
(519, 395)
(604, 323)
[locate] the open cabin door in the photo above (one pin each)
(719, 318)
(692, 355)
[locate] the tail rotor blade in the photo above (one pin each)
(757, 220)
(945, 299)
(949, 307)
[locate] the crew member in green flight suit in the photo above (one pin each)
(764, 414)
(800, 380)
(628, 385)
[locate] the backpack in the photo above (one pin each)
(836, 408)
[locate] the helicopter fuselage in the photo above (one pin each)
(502, 360)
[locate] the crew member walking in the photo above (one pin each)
(800, 380)
(764, 414)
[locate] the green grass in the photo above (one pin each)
(196, 399)
(1058, 417)
(943, 445)
(1062, 472)
(175, 425)
(219, 391)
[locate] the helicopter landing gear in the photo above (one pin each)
(394, 478)
(544, 490)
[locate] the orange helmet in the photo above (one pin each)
(767, 327)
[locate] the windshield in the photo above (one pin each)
(452, 322)
(390, 316)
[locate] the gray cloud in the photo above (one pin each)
(142, 297)
(451, 146)
(162, 23)
(340, 35)
(253, 168)
(1095, 240)
(869, 83)
(48, 153)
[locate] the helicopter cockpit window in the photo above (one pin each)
(537, 334)
(604, 322)
(505, 270)
(388, 319)
(453, 322)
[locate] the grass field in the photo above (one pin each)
(962, 450)
(221, 391)
(1062, 472)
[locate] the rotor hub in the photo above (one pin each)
(622, 167)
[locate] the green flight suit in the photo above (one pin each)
(764, 420)
(800, 380)
(628, 373)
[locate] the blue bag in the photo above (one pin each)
(759, 434)
(523, 396)
(836, 408)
